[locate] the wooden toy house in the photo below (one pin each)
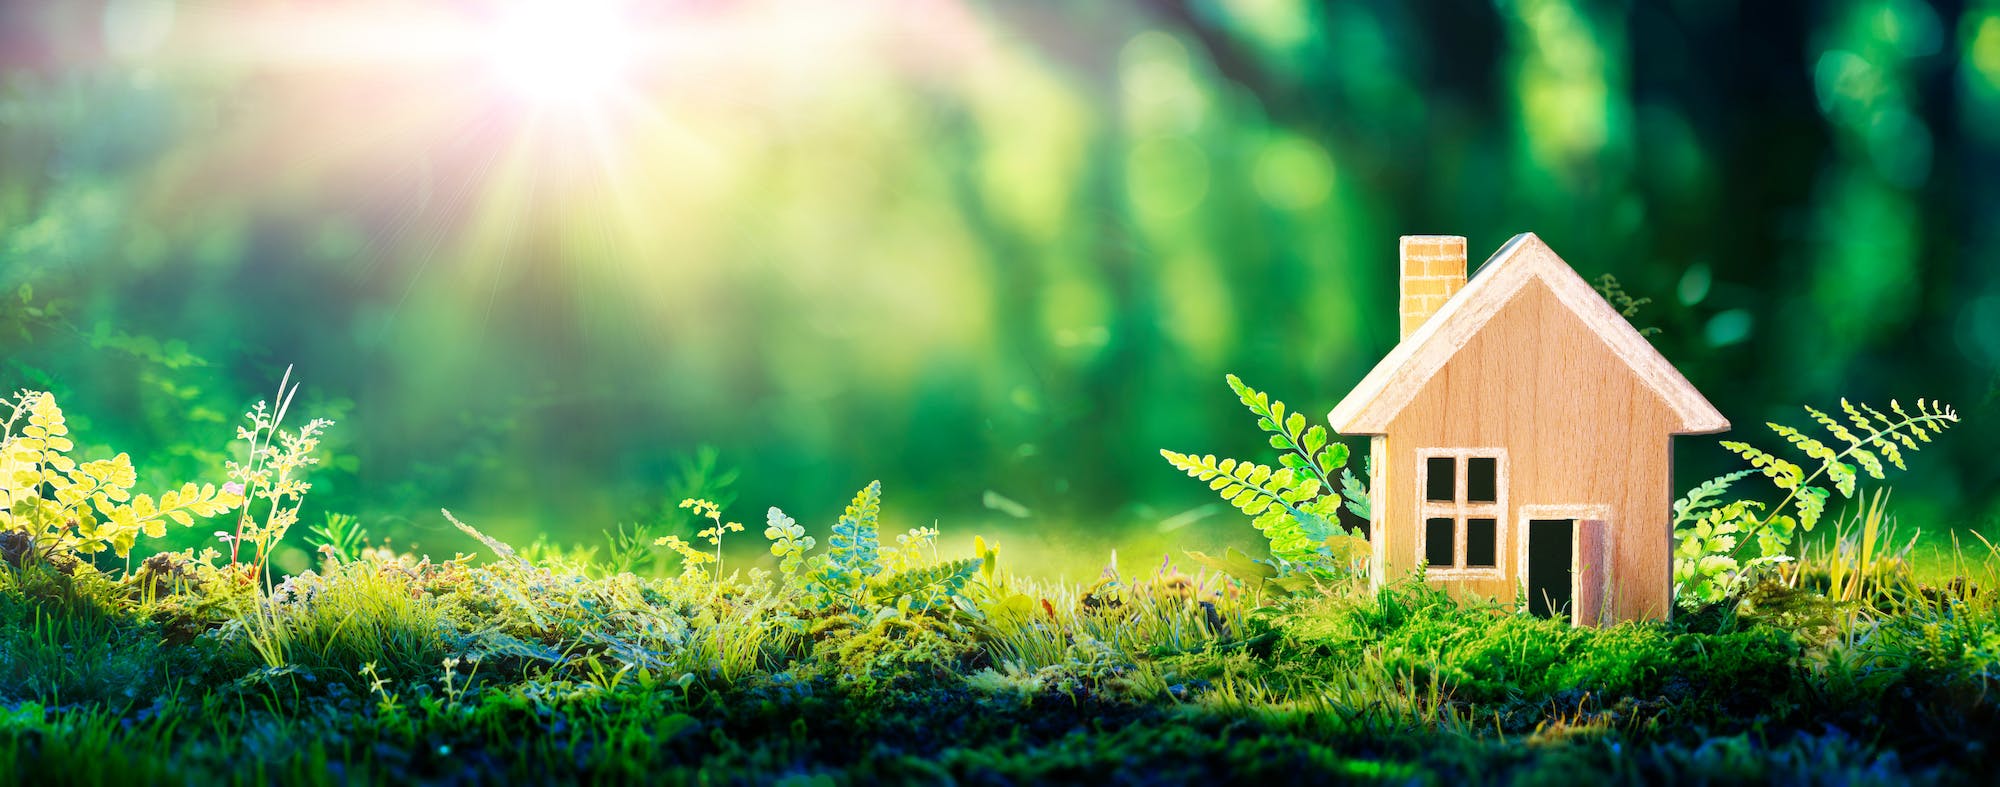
(1522, 437)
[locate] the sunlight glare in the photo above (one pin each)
(562, 52)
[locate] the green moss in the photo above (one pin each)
(899, 664)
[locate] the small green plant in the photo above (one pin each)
(1296, 506)
(1719, 541)
(856, 574)
(701, 476)
(705, 509)
(841, 575)
(386, 702)
(692, 560)
(1628, 307)
(273, 470)
(68, 507)
(1862, 562)
(629, 548)
(789, 541)
(341, 539)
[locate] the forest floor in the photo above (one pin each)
(540, 666)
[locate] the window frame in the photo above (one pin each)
(1459, 509)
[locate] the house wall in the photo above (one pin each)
(1579, 428)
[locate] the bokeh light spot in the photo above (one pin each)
(1984, 52)
(1900, 146)
(1293, 173)
(1727, 328)
(1160, 93)
(1166, 177)
(1695, 284)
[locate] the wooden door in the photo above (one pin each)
(1591, 571)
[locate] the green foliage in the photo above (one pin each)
(853, 549)
(273, 469)
(1719, 542)
(841, 575)
(386, 648)
(1295, 506)
(1307, 449)
(1482, 654)
(700, 475)
(789, 541)
(857, 575)
(1707, 534)
(1355, 492)
(341, 539)
(926, 586)
(1276, 501)
(539, 666)
(1628, 307)
(356, 614)
(68, 507)
(629, 548)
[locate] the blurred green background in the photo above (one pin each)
(994, 254)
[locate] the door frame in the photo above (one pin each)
(1578, 513)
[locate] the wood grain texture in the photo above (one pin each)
(1520, 362)
(1590, 591)
(1393, 383)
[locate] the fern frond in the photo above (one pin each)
(789, 542)
(1783, 473)
(1294, 504)
(854, 546)
(1875, 441)
(1627, 306)
(1705, 496)
(1812, 504)
(1355, 493)
(1309, 449)
(924, 584)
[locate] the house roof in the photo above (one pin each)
(1397, 379)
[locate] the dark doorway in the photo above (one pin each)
(1550, 556)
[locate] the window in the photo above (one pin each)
(1481, 482)
(1482, 542)
(1438, 474)
(1461, 503)
(1439, 542)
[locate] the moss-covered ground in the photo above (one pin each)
(543, 668)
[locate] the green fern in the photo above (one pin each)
(1706, 496)
(1614, 293)
(926, 586)
(1276, 500)
(70, 508)
(1355, 492)
(343, 537)
(856, 574)
(1307, 448)
(854, 547)
(1713, 537)
(1296, 505)
(789, 541)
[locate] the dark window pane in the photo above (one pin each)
(1482, 483)
(1482, 542)
(1438, 545)
(1439, 483)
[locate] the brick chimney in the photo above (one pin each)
(1433, 271)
